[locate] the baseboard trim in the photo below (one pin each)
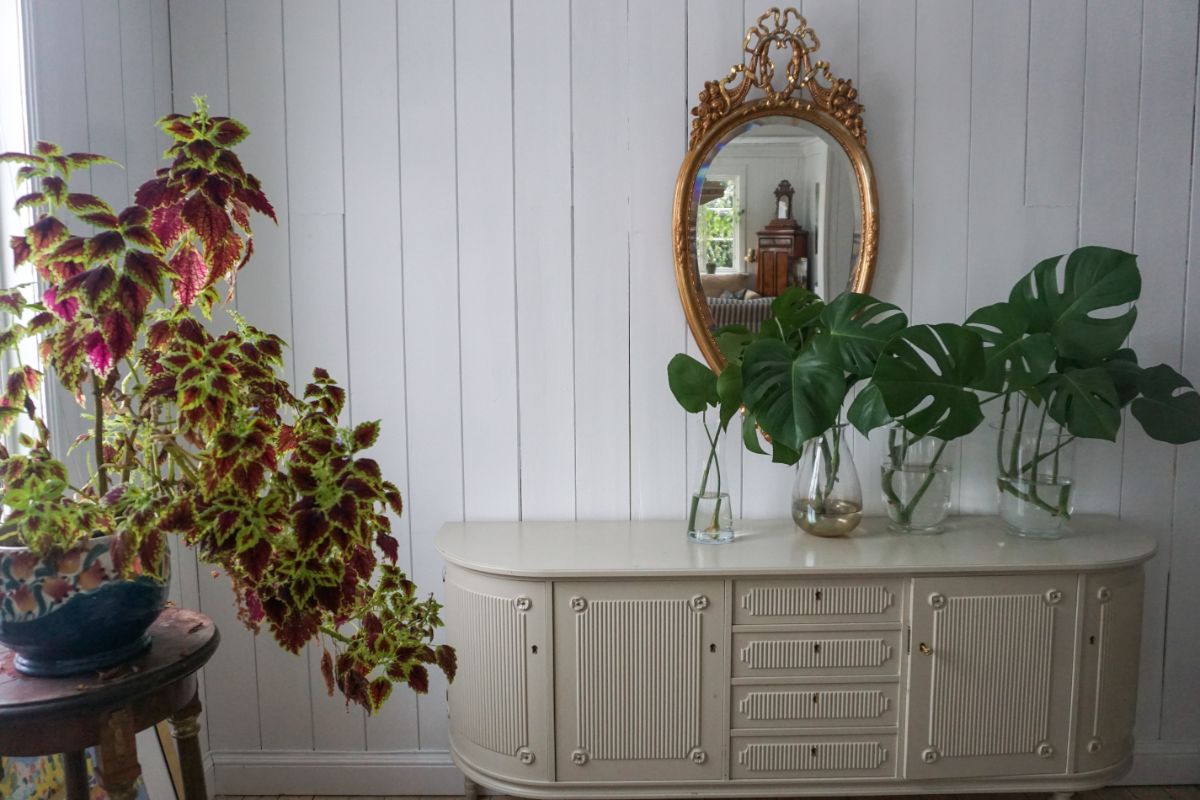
(306, 772)
(210, 776)
(1162, 763)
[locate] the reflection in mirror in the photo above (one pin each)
(777, 205)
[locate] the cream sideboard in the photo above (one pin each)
(616, 659)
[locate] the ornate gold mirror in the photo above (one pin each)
(776, 191)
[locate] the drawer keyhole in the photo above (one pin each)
(818, 595)
(1091, 640)
(533, 649)
(712, 648)
(816, 698)
(816, 647)
(814, 752)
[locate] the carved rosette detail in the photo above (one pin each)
(780, 29)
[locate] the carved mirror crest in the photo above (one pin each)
(776, 190)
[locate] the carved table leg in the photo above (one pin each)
(117, 763)
(185, 727)
(75, 773)
(470, 789)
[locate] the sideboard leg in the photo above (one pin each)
(1062, 796)
(470, 789)
(75, 775)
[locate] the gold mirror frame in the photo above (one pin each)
(831, 104)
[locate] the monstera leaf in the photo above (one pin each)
(859, 326)
(1122, 367)
(793, 312)
(1092, 279)
(923, 375)
(793, 398)
(1167, 414)
(1084, 401)
(868, 411)
(693, 384)
(1013, 359)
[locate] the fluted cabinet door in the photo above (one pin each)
(990, 677)
(501, 701)
(640, 669)
(1112, 627)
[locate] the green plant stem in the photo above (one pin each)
(1014, 454)
(1000, 436)
(712, 458)
(335, 634)
(907, 511)
(101, 470)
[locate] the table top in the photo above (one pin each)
(181, 642)
(978, 544)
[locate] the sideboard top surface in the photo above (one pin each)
(775, 547)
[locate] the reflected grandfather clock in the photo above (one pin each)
(779, 245)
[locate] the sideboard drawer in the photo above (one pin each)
(856, 756)
(825, 705)
(760, 602)
(816, 653)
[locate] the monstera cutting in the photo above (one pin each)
(1054, 353)
(194, 431)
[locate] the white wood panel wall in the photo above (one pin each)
(475, 201)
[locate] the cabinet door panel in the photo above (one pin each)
(990, 675)
(500, 701)
(639, 683)
(1112, 628)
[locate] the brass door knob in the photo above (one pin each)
(925, 649)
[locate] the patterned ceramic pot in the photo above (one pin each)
(74, 613)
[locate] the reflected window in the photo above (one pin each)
(718, 224)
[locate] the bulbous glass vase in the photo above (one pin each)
(827, 498)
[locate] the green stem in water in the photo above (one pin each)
(906, 510)
(712, 458)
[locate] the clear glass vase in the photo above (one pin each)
(915, 476)
(827, 498)
(709, 512)
(1034, 469)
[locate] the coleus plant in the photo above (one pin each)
(195, 432)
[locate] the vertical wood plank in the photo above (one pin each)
(941, 166)
(374, 281)
(996, 216)
(1054, 128)
(140, 90)
(1181, 671)
(657, 48)
(255, 47)
(431, 317)
(105, 90)
(711, 50)
(198, 55)
(542, 181)
(1108, 175)
(600, 141)
(312, 68)
(487, 300)
(887, 67)
(1168, 78)
(229, 688)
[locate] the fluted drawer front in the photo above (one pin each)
(759, 602)
(814, 705)
(813, 757)
(817, 653)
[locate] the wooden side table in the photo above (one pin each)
(41, 716)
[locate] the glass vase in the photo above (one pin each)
(1034, 469)
(709, 512)
(915, 479)
(827, 498)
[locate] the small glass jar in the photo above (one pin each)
(916, 474)
(709, 511)
(827, 497)
(1034, 477)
